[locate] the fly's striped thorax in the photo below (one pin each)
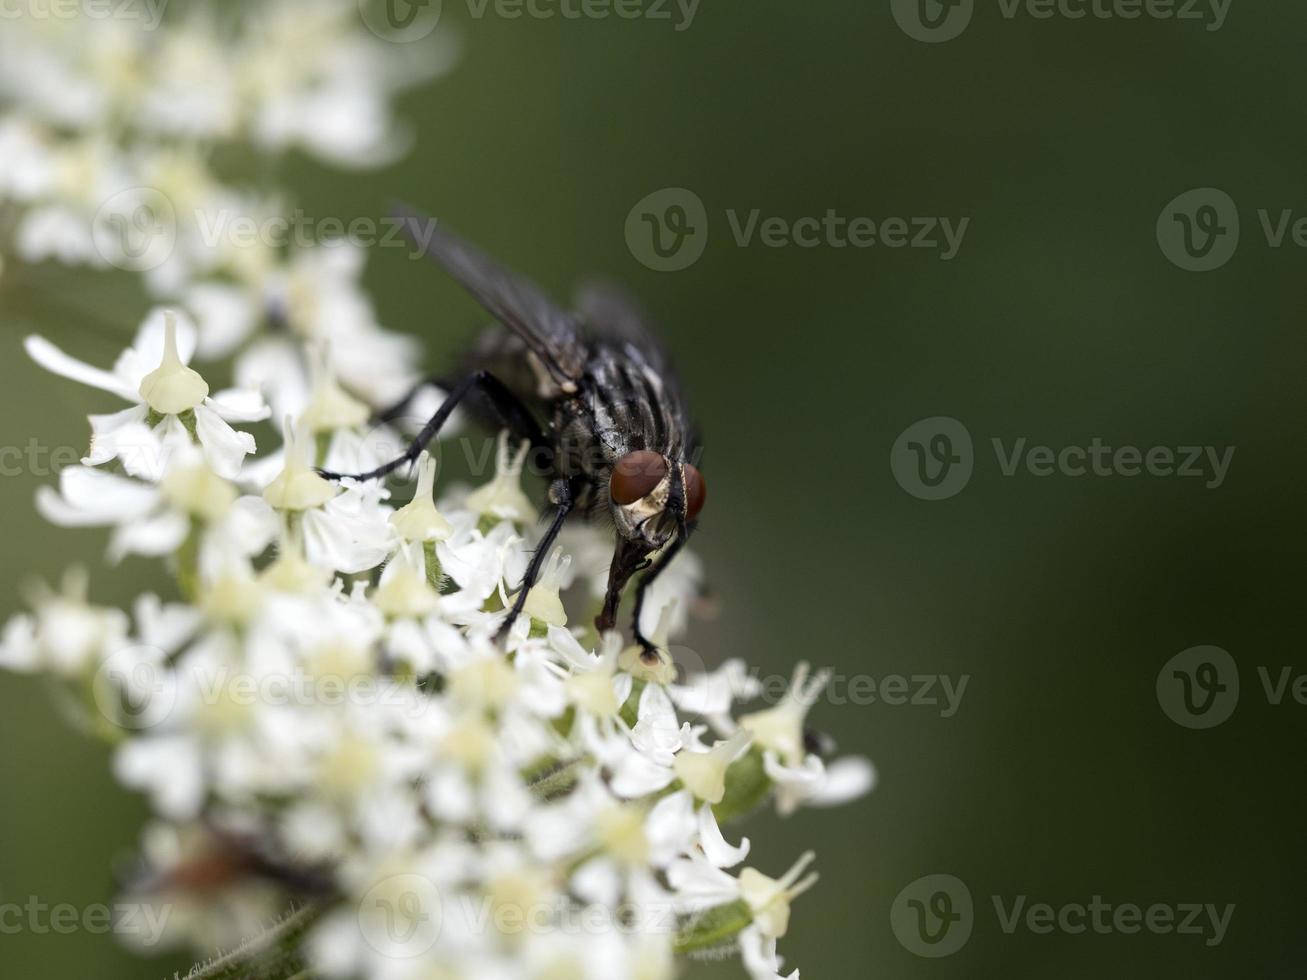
(631, 405)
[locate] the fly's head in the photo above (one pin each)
(654, 498)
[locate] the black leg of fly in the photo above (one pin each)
(510, 410)
(514, 414)
(521, 423)
(560, 494)
(648, 579)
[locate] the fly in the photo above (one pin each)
(594, 395)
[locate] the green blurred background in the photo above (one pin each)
(1060, 320)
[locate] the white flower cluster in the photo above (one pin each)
(108, 133)
(321, 715)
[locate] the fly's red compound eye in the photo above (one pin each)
(635, 476)
(696, 492)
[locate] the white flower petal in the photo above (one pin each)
(239, 405)
(226, 315)
(89, 497)
(348, 534)
(714, 845)
(169, 768)
(670, 828)
(156, 537)
(224, 447)
(846, 780)
(251, 525)
(18, 648)
(758, 954)
(57, 362)
(700, 885)
(166, 627)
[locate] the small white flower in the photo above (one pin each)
(419, 520)
(781, 728)
(66, 633)
(543, 603)
(298, 486)
(712, 695)
(330, 407)
(704, 773)
(502, 498)
(155, 367)
(769, 898)
(404, 592)
(812, 783)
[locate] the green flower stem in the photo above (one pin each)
(434, 573)
(630, 712)
(272, 955)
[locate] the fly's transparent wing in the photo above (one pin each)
(551, 333)
(610, 313)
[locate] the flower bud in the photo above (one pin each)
(418, 520)
(769, 898)
(172, 387)
(330, 407)
(502, 498)
(781, 728)
(704, 773)
(297, 486)
(543, 602)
